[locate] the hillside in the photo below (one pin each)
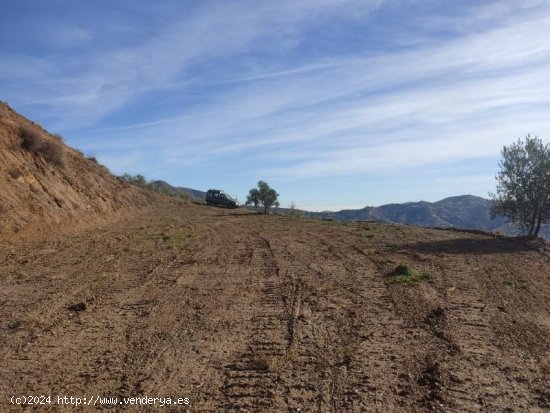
(163, 186)
(262, 313)
(45, 183)
(465, 212)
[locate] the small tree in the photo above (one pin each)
(523, 185)
(263, 195)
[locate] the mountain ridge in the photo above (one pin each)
(462, 212)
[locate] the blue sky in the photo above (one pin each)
(335, 103)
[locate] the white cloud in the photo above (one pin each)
(356, 120)
(112, 78)
(434, 99)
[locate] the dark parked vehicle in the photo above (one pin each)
(219, 198)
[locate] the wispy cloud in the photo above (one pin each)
(112, 77)
(298, 90)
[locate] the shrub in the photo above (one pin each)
(30, 139)
(54, 153)
(51, 151)
(404, 274)
(403, 269)
(138, 179)
(93, 159)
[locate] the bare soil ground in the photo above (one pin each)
(243, 312)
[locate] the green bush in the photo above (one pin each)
(404, 274)
(403, 269)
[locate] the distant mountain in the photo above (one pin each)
(465, 212)
(163, 186)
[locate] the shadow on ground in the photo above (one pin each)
(244, 214)
(471, 246)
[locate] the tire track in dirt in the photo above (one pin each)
(346, 333)
(219, 265)
(469, 369)
(46, 323)
(468, 324)
(250, 384)
(259, 313)
(165, 351)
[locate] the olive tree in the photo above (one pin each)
(263, 195)
(523, 185)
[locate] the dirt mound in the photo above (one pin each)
(45, 183)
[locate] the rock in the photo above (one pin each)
(78, 307)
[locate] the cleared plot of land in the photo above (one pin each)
(243, 312)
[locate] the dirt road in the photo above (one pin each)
(242, 312)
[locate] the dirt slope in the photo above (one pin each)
(44, 183)
(253, 313)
